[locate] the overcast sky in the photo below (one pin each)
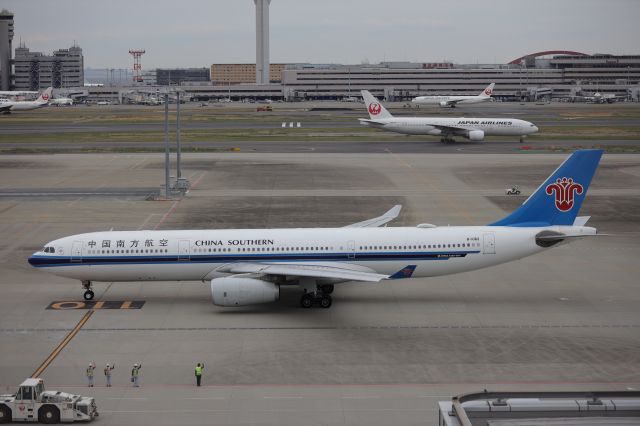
(197, 33)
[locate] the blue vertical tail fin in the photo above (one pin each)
(558, 200)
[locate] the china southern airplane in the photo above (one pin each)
(248, 266)
(452, 101)
(474, 129)
(8, 106)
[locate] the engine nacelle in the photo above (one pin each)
(237, 291)
(475, 135)
(444, 104)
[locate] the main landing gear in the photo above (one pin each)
(88, 294)
(320, 296)
(447, 139)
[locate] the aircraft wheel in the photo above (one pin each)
(88, 295)
(325, 301)
(306, 301)
(327, 288)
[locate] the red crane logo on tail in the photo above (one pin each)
(375, 108)
(488, 91)
(565, 190)
(45, 96)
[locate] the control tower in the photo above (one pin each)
(6, 37)
(262, 41)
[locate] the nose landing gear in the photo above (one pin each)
(88, 294)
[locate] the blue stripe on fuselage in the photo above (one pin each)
(53, 261)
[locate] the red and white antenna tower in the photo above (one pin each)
(137, 67)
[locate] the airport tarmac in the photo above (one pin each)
(383, 354)
(329, 127)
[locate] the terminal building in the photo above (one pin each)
(178, 76)
(558, 75)
(36, 71)
(551, 74)
(243, 73)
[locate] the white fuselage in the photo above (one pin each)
(434, 126)
(443, 100)
(197, 254)
(21, 105)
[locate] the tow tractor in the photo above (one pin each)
(514, 190)
(34, 404)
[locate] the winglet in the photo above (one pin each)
(380, 220)
(405, 272)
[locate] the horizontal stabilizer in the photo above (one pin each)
(581, 220)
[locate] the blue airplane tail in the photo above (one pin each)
(558, 200)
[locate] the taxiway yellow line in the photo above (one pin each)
(62, 344)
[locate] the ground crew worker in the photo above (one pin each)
(199, 369)
(107, 373)
(90, 368)
(135, 372)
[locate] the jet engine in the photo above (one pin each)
(238, 291)
(475, 135)
(444, 104)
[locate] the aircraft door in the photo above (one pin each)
(351, 247)
(76, 251)
(183, 250)
(488, 244)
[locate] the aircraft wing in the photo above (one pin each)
(452, 103)
(4, 108)
(339, 271)
(378, 221)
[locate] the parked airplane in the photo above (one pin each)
(16, 93)
(8, 106)
(248, 266)
(474, 129)
(603, 98)
(61, 101)
(452, 101)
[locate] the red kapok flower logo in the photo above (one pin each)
(564, 190)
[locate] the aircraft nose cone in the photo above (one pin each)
(535, 129)
(32, 260)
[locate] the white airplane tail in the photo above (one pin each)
(45, 96)
(374, 107)
(486, 93)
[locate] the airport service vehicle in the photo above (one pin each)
(248, 266)
(474, 129)
(452, 101)
(514, 190)
(264, 108)
(34, 404)
(7, 106)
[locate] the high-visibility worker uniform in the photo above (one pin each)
(199, 369)
(90, 375)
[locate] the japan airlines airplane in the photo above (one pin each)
(8, 106)
(474, 129)
(452, 101)
(248, 266)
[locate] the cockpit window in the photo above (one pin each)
(49, 250)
